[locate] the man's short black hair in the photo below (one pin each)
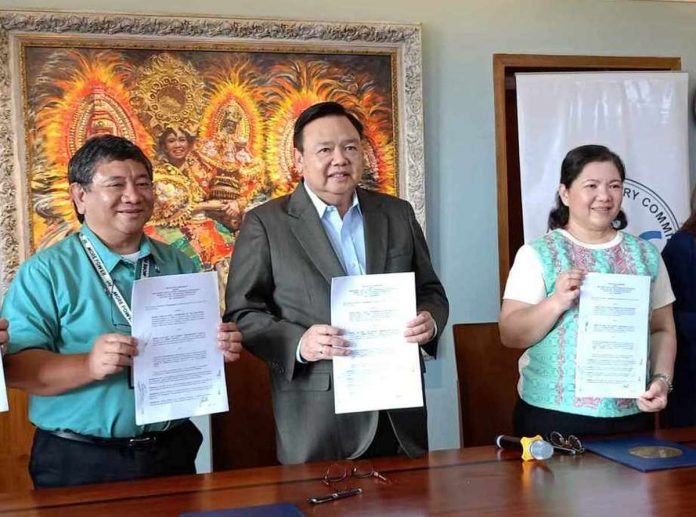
(320, 110)
(103, 149)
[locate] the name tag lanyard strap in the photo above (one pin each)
(108, 282)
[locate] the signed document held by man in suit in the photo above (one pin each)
(383, 369)
(279, 292)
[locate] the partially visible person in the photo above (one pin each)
(540, 310)
(4, 336)
(71, 348)
(679, 255)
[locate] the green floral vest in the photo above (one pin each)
(547, 369)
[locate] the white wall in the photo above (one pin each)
(459, 39)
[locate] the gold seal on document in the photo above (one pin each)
(655, 452)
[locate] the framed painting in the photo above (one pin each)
(212, 103)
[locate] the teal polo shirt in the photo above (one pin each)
(58, 302)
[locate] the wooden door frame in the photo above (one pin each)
(504, 68)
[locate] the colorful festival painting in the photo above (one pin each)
(214, 117)
(216, 125)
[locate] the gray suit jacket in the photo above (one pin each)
(280, 285)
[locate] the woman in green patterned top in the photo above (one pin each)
(539, 313)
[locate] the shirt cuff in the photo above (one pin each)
(298, 356)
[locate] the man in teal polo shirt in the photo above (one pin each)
(70, 347)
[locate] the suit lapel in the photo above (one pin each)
(309, 232)
(376, 232)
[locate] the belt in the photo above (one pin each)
(146, 440)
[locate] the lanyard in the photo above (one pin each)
(106, 279)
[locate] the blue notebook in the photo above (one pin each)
(265, 510)
(644, 453)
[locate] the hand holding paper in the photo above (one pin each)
(322, 342)
(654, 399)
(4, 336)
(421, 329)
(110, 354)
(567, 289)
(229, 341)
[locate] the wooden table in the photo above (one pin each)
(475, 481)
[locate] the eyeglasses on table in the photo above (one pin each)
(570, 444)
(344, 470)
(338, 475)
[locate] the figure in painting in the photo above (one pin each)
(170, 95)
(239, 178)
(182, 183)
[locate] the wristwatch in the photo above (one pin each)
(664, 378)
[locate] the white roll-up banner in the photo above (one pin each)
(641, 116)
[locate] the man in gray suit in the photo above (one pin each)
(279, 288)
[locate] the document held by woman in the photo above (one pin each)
(612, 343)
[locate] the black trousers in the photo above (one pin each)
(57, 462)
(531, 420)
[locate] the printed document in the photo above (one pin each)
(383, 370)
(179, 371)
(612, 344)
(4, 406)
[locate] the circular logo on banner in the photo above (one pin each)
(649, 217)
